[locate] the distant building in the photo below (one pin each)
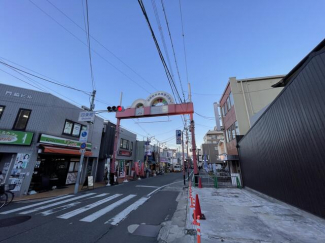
(240, 105)
(210, 150)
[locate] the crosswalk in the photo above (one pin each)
(69, 206)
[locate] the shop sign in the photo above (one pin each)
(18, 95)
(15, 137)
(178, 137)
(48, 139)
(124, 153)
(86, 116)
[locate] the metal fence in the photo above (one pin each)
(216, 181)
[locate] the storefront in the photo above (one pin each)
(58, 162)
(14, 162)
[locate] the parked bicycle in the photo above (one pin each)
(6, 196)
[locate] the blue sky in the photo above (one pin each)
(223, 39)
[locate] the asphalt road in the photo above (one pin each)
(108, 214)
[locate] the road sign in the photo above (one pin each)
(86, 116)
(83, 145)
(178, 137)
(83, 136)
(82, 151)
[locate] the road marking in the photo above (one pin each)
(100, 195)
(36, 204)
(147, 186)
(87, 207)
(159, 188)
(122, 215)
(107, 209)
(57, 203)
(58, 209)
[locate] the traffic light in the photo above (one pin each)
(115, 108)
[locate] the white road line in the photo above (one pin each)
(159, 188)
(147, 186)
(36, 204)
(57, 203)
(87, 207)
(58, 209)
(122, 215)
(100, 195)
(107, 209)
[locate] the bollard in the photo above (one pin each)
(198, 230)
(215, 182)
(238, 182)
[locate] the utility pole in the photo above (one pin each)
(187, 159)
(92, 106)
(183, 158)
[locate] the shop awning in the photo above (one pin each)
(56, 150)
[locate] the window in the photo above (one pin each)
(228, 104)
(231, 99)
(2, 108)
(72, 128)
(74, 166)
(22, 119)
(124, 144)
(237, 128)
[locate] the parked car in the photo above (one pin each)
(177, 168)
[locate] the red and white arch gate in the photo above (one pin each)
(146, 108)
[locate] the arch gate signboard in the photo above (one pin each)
(159, 103)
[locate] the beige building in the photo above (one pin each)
(242, 102)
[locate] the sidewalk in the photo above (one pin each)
(241, 216)
(56, 192)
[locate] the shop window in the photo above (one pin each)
(22, 119)
(2, 108)
(74, 166)
(72, 128)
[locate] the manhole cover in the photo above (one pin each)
(13, 221)
(147, 230)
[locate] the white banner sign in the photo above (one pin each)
(85, 116)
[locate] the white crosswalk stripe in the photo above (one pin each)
(69, 204)
(36, 204)
(59, 209)
(87, 207)
(122, 215)
(107, 209)
(57, 203)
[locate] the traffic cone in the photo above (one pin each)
(194, 218)
(198, 208)
(200, 182)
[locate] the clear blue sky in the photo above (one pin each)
(251, 38)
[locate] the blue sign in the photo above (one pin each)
(178, 137)
(83, 145)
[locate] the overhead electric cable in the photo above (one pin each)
(183, 35)
(94, 51)
(84, 29)
(172, 44)
(63, 85)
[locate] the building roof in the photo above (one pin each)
(260, 78)
(283, 82)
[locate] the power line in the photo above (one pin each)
(206, 117)
(168, 74)
(87, 46)
(97, 41)
(63, 85)
(180, 10)
(171, 41)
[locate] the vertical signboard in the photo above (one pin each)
(178, 137)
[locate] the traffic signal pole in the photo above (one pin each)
(112, 170)
(76, 187)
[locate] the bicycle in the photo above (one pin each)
(10, 194)
(3, 196)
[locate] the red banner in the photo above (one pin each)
(136, 167)
(142, 168)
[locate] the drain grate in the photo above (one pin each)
(190, 232)
(13, 221)
(147, 230)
